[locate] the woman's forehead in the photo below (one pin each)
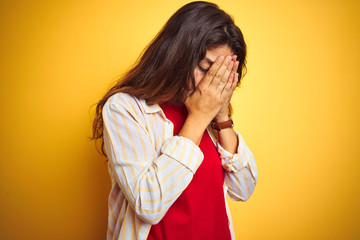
(213, 53)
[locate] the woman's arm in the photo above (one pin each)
(237, 159)
(150, 182)
(241, 170)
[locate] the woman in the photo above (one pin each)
(169, 138)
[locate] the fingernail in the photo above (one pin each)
(221, 58)
(231, 64)
(228, 58)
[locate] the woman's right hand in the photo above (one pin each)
(211, 93)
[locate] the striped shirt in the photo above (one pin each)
(149, 167)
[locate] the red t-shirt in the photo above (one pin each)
(199, 212)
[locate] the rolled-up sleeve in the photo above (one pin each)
(241, 170)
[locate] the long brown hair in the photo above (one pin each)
(165, 69)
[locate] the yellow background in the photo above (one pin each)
(298, 110)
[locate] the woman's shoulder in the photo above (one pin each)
(129, 103)
(128, 106)
(124, 100)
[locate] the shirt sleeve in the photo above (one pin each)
(241, 171)
(150, 181)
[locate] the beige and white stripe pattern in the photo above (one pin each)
(149, 167)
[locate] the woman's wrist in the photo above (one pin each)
(219, 126)
(228, 140)
(193, 128)
(221, 119)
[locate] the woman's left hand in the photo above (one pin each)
(223, 114)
